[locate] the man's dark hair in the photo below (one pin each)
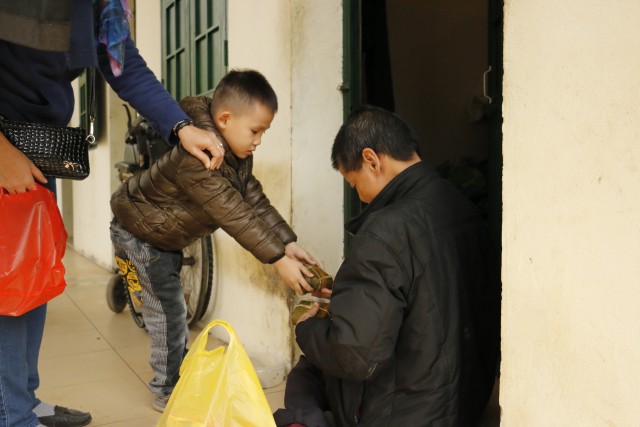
(374, 128)
(240, 89)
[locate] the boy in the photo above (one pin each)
(178, 200)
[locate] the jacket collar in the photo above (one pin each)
(396, 189)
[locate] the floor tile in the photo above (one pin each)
(64, 316)
(82, 368)
(111, 400)
(56, 343)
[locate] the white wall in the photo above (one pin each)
(148, 28)
(571, 230)
(91, 210)
(317, 114)
(304, 68)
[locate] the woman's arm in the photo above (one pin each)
(139, 87)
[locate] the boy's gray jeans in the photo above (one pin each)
(163, 307)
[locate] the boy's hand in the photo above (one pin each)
(196, 141)
(291, 271)
(17, 172)
(310, 313)
(294, 251)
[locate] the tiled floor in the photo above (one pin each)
(95, 360)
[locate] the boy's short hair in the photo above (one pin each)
(375, 128)
(240, 89)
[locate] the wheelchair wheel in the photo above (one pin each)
(196, 277)
(116, 293)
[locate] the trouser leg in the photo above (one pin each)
(304, 397)
(20, 339)
(163, 307)
(165, 313)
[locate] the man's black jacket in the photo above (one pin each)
(413, 337)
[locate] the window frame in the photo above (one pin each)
(194, 46)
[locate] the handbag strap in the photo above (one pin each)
(91, 113)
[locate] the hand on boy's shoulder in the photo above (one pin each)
(201, 137)
(196, 141)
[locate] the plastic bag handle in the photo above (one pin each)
(205, 333)
(4, 192)
(199, 345)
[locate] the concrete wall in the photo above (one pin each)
(317, 115)
(571, 234)
(90, 197)
(250, 295)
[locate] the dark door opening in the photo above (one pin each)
(437, 64)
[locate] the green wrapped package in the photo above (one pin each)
(320, 280)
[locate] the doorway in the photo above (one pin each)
(438, 65)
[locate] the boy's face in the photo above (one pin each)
(243, 132)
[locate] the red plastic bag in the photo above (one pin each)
(32, 244)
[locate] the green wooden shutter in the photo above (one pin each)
(193, 47)
(207, 65)
(175, 47)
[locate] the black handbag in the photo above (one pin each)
(58, 151)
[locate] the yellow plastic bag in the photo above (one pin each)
(217, 388)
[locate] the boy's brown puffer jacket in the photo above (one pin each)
(178, 200)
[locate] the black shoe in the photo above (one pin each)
(64, 417)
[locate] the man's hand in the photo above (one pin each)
(17, 172)
(309, 313)
(294, 251)
(324, 293)
(196, 141)
(291, 271)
